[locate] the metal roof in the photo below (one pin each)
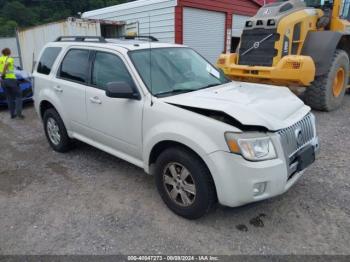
(126, 6)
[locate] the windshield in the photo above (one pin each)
(312, 3)
(345, 9)
(171, 71)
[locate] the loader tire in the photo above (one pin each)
(327, 92)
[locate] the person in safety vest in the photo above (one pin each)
(10, 85)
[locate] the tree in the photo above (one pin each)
(24, 13)
(8, 27)
(18, 12)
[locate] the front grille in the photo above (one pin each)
(256, 52)
(289, 136)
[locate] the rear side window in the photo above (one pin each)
(75, 66)
(48, 59)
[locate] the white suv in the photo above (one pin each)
(164, 108)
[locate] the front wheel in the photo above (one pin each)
(184, 183)
(327, 92)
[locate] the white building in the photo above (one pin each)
(211, 27)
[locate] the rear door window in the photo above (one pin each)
(47, 60)
(75, 66)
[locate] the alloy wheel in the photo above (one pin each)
(179, 184)
(53, 131)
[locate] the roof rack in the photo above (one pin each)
(141, 37)
(98, 39)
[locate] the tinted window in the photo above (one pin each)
(48, 59)
(169, 71)
(75, 66)
(109, 68)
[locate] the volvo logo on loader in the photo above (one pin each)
(267, 12)
(256, 45)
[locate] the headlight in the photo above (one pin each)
(252, 149)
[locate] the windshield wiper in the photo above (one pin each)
(208, 86)
(176, 92)
(185, 90)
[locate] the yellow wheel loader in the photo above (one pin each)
(296, 44)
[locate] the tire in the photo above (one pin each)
(52, 119)
(199, 181)
(321, 95)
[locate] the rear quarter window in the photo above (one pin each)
(47, 60)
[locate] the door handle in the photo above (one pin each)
(58, 89)
(95, 100)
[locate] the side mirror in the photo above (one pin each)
(121, 90)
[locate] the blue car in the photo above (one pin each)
(25, 82)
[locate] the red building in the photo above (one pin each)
(203, 24)
(209, 26)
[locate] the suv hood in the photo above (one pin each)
(268, 106)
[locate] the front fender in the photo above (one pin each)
(182, 133)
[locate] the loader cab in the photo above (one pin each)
(319, 3)
(313, 3)
(344, 12)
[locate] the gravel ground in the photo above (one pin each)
(88, 202)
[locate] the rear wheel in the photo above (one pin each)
(327, 92)
(55, 131)
(184, 183)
